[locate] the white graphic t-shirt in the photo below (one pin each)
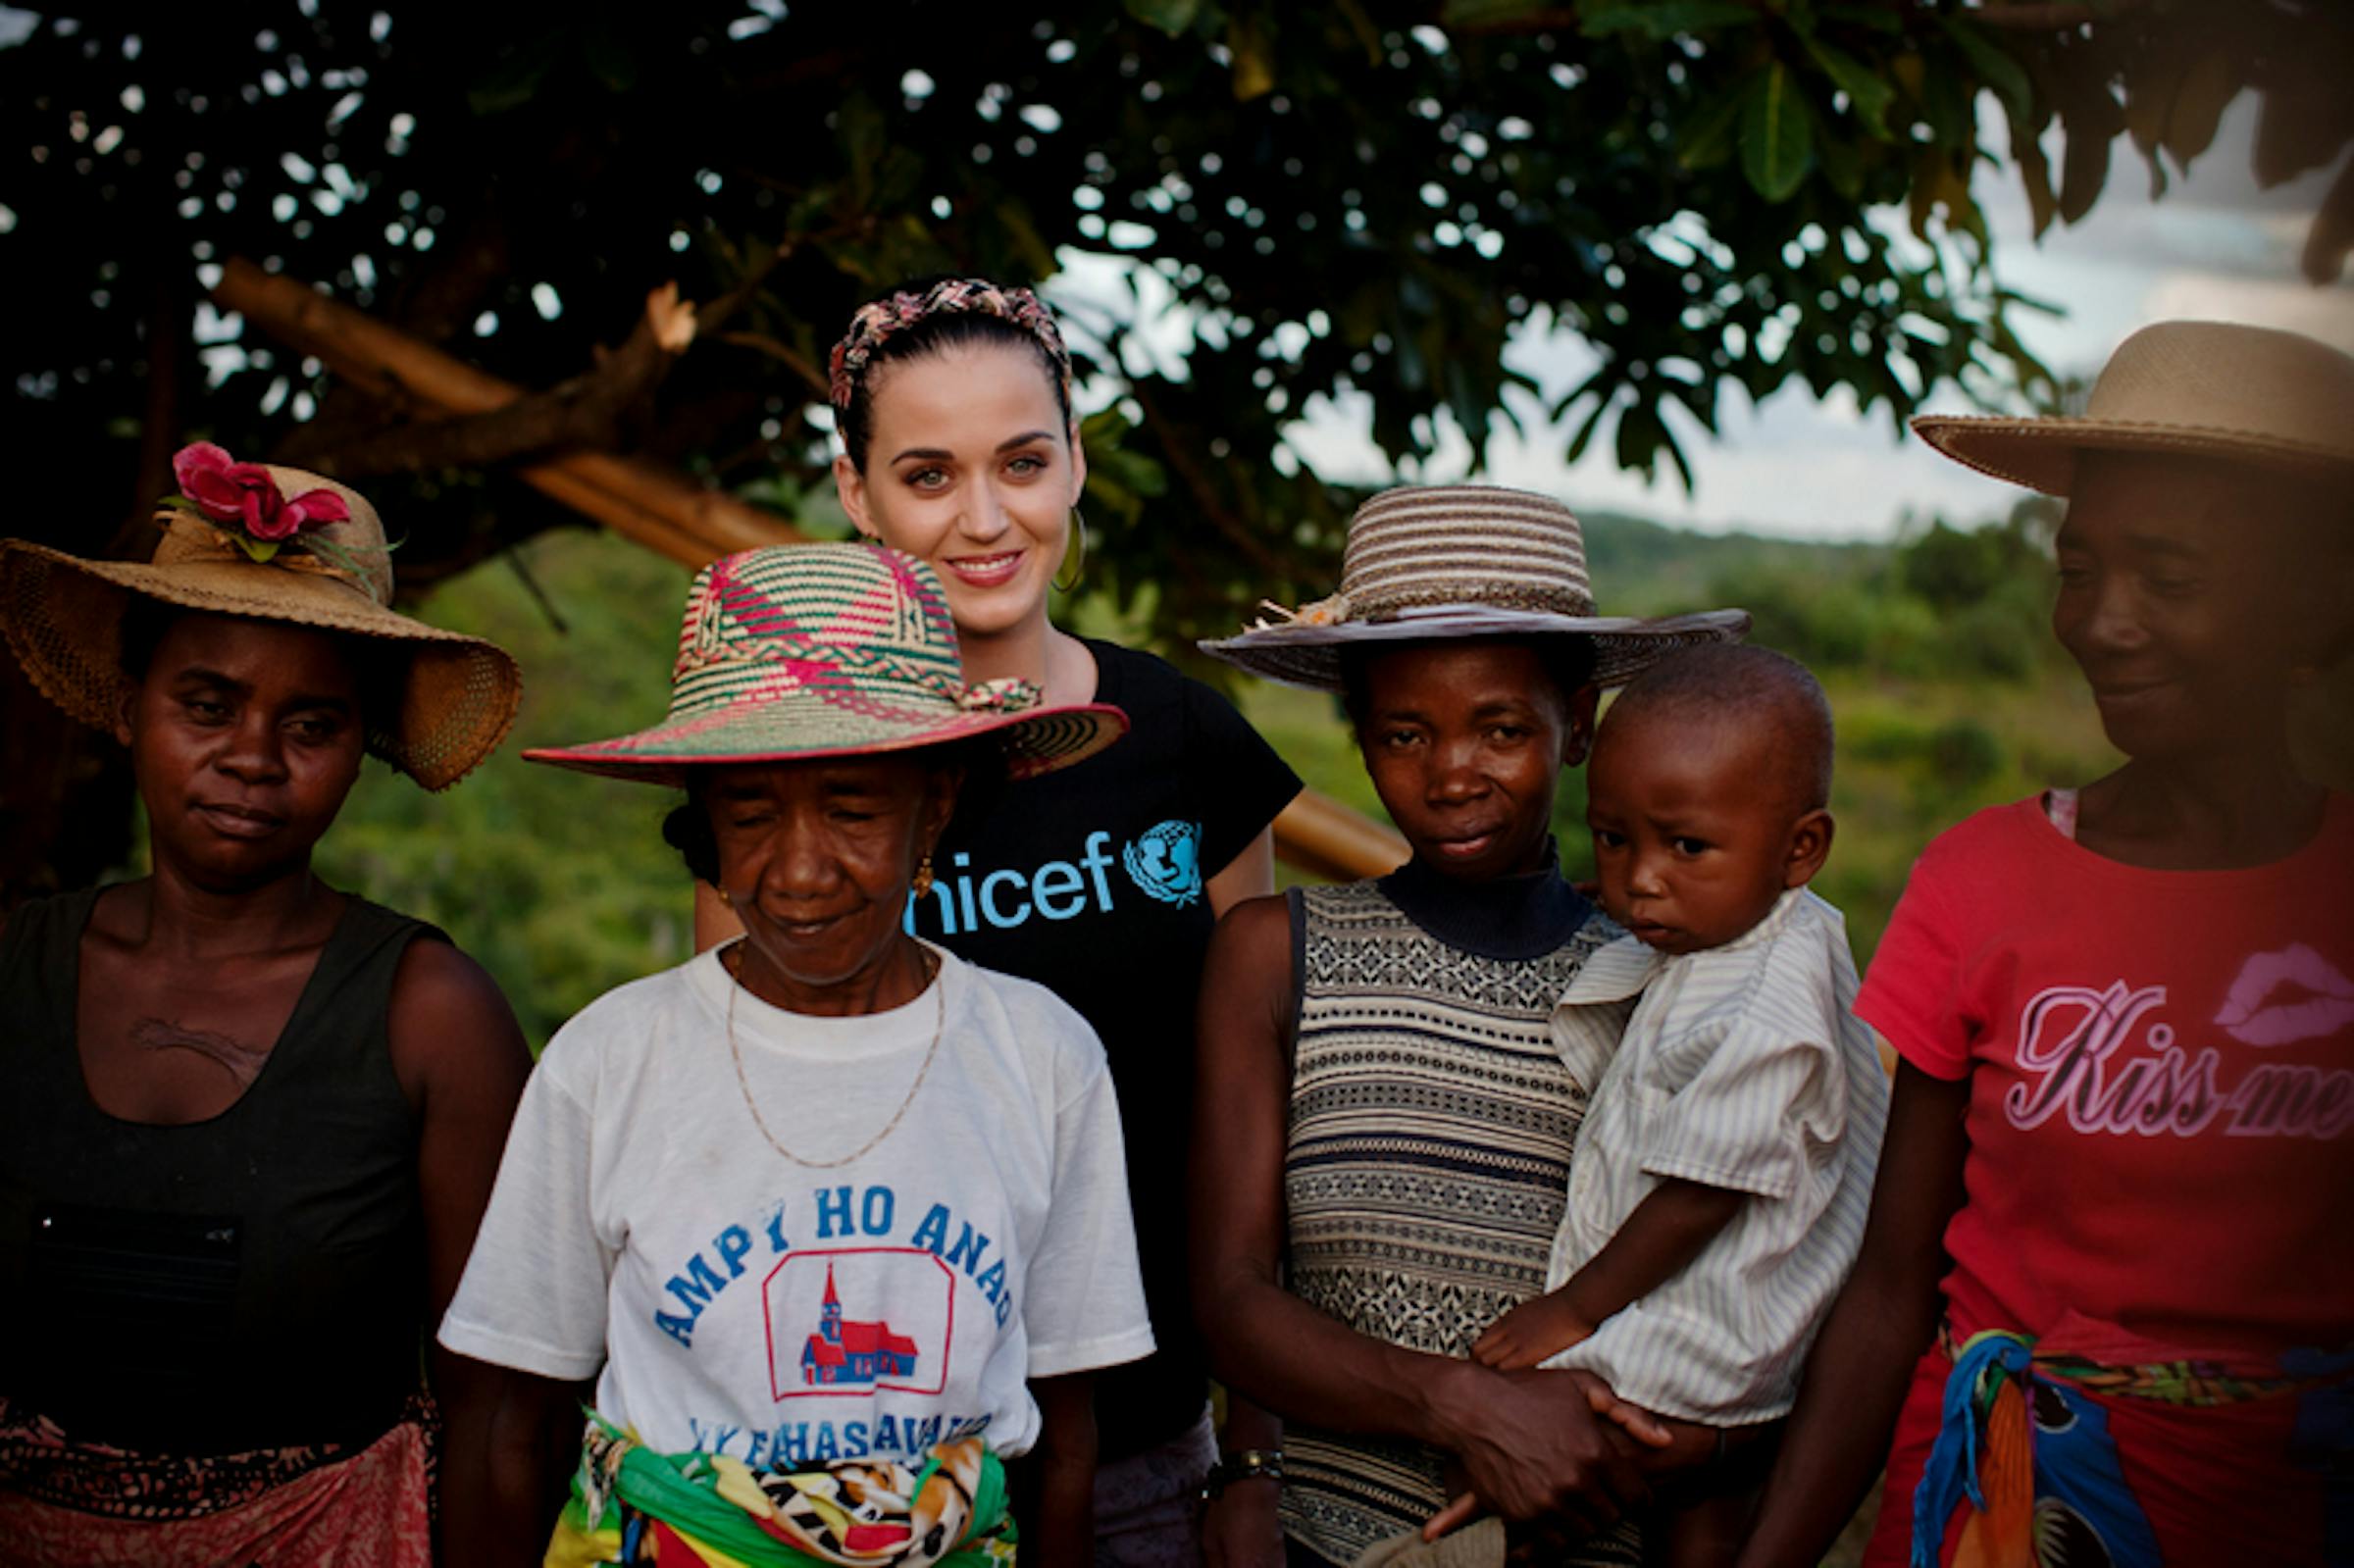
(739, 1302)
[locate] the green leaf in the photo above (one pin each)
(1842, 159)
(1995, 66)
(1171, 17)
(2084, 167)
(1706, 139)
(2036, 173)
(1254, 59)
(1866, 89)
(1592, 424)
(1778, 141)
(1660, 19)
(2210, 84)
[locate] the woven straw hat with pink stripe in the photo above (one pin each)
(794, 652)
(1439, 562)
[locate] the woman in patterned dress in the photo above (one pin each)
(1385, 1127)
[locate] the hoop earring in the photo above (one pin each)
(1074, 555)
(921, 884)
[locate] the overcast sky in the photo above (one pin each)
(2214, 247)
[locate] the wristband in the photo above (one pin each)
(1244, 1464)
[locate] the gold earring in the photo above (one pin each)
(1074, 555)
(725, 897)
(922, 884)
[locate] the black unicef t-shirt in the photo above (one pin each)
(1090, 881)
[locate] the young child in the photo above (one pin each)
(1722, 1174)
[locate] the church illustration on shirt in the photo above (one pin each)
(851, 1353)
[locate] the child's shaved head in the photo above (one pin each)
(1742, 687)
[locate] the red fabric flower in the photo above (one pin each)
(244, 494)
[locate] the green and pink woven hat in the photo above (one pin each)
(795, 652)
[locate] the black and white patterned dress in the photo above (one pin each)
(1431, 1126)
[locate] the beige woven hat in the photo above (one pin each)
(63, 618)
(1426, 563)
(2191, 388)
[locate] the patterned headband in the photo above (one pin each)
(954, 296)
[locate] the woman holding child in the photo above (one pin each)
(1384, 1175)
(2104, 1303)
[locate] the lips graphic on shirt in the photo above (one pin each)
(2287, 996)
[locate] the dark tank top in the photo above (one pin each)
(252, 1280)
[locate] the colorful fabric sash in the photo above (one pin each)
(2018, 1425)
(631, 1505)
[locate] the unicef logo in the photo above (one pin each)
(1166, 862)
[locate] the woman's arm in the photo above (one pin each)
(1862, 1364)
(461, 1061)
(1527, 1440)
(1053, 1484)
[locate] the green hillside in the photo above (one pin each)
(561, 884)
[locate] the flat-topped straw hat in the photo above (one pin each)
(1425, 562)
(265, 544)
(794, 652)
(2215, 389)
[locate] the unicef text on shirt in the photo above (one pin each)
(1162, 861)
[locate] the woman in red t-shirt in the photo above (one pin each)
(2105, 1303)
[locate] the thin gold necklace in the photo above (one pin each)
(939, 1016)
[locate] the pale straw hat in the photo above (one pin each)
(63, 616)
(1426, 563)
(2212, 389)
(793, 652)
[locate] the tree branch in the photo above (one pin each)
(581, 412)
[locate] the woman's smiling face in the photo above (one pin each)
(972, 469)
(1464, 742)
(2180, 601)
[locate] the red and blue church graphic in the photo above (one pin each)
(852, 1354)
(901, 1341)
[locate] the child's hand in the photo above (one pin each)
(1454, 1516)
(1631, 1419)
(1540, 1327)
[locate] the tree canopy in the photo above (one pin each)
(1359, 198)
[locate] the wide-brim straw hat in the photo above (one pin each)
(62, 617)
(2212, 389)
(1430, 563)
(789, 653)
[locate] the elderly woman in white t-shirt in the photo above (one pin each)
(837, 1221)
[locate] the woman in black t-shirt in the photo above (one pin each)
(1103, 881)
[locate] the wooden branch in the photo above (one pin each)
(763, 343)
(583, 411)
(656, 506)
(1320, 836)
